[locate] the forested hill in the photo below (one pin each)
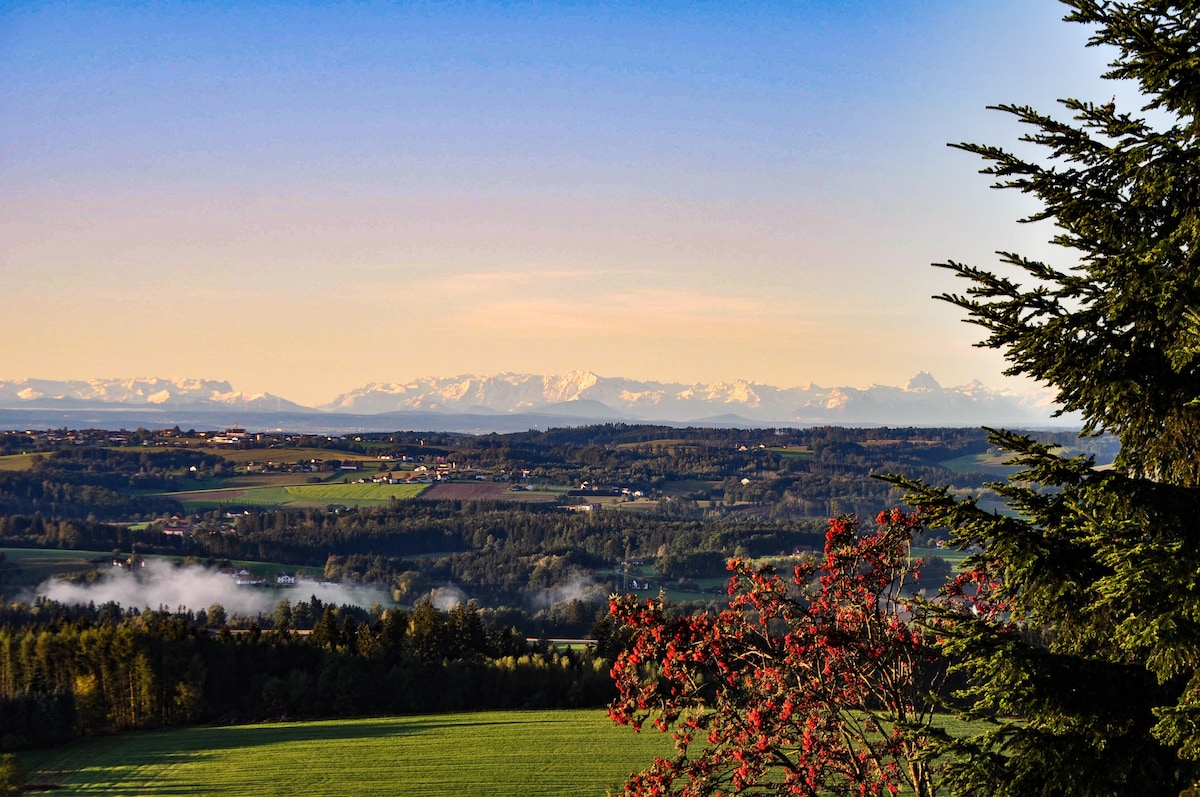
(681, 501)
(568, 516)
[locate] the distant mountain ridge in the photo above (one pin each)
(921, 402)
(29, 393)
(571, 398)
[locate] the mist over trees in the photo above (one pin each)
(67, 669)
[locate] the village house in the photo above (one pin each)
(244, 578)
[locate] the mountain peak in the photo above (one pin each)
(924, 381)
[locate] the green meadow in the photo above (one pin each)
(803, 454)
(346, 494)
(953, 556)
(578, 752)
(357, 492)
(486, 754)
(986, 462)
(34, 565)
(18, 461)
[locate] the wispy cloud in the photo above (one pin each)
(537, 281)
(656, 311)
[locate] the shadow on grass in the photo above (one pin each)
(119, 764)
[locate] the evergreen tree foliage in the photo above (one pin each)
(1082, 646)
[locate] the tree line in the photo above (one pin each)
(65, 670)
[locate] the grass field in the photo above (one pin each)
(298, 495)
(492, 753)
(38, 565)
(803, 453)
(270, 480)
(954, 557)
(491, 491)
(986, 463)
(342, 493)
(18, 461)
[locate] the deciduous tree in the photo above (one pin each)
(815, 685)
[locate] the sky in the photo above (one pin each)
(305, 198)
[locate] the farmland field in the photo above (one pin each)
(272, 480)
(275, 491)
(327, 493)
(469, 491)
(492, 753)
(18, 461)
(298, 495)
(951, 555)
(484, 491)
(36, 565)
(794, 452)
(987, 463)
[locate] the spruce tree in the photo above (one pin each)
(1081, 654)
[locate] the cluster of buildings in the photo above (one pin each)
(244, 578)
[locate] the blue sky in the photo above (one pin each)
(305, 198)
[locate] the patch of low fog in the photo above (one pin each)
(364, 597)
(160, 584)
(580, 587)
(447, 598)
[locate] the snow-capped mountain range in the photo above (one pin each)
(575, 397)
(135, 392)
